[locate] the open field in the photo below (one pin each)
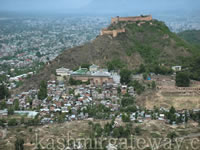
(167, 95)
(166, 100)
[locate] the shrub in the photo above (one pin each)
(138, 87)
(115, 64)
(182, 79)
(138, 130)
(126, 101)
(125, 118)
(125, 76)
(42, 94)
(19, 144)
(12, 122)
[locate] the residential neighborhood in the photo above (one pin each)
(75, 95)
(42, 40)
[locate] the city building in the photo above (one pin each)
(63, 72)
(176, 68)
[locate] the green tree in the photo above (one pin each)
(42, 94)
(11, 111)
(138, 130)
(172, 135)
(12, 122)
(115, 64)
(74, 82)
(71, 91)
(19, 144)
(125, 76)
(61, 118)
(145, 76)
(16, 104)
(3, 104)
(4, 92)
(22, 120)
(2, 121)
(194, 68)
(107, 129)
(131, 108)
(85, 66)
(116, 133)
(186, 117)
(126, 101)
(171, 115)
(119, 90)
(98, 130)
(182, 79)
(3, 78)
(161, 70)
(142, 69)
(125, 117)
(138, 87)
(153, 85)
(38, 54)
(180, 119)
(172, 110)
(90, 123)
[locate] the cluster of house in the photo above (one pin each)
(30, 114)
(20, 77)
(73, 100)
(27, 101)
(140, 116)
(12, 81)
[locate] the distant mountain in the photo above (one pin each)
(191, 36)
(149, 43)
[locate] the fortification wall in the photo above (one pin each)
(106, 32)
(133, 19)
(114, 33)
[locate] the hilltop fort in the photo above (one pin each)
(114, 33)
(131, 19)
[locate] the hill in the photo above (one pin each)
(191, 36)
(145, 43)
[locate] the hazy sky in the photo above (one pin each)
(46, 5)
(99, 6)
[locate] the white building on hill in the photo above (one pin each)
(63, 72)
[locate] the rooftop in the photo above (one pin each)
(101, 73)
(81, 71)
(94, 66)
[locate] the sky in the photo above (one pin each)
(98, 6)
(42, 5)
